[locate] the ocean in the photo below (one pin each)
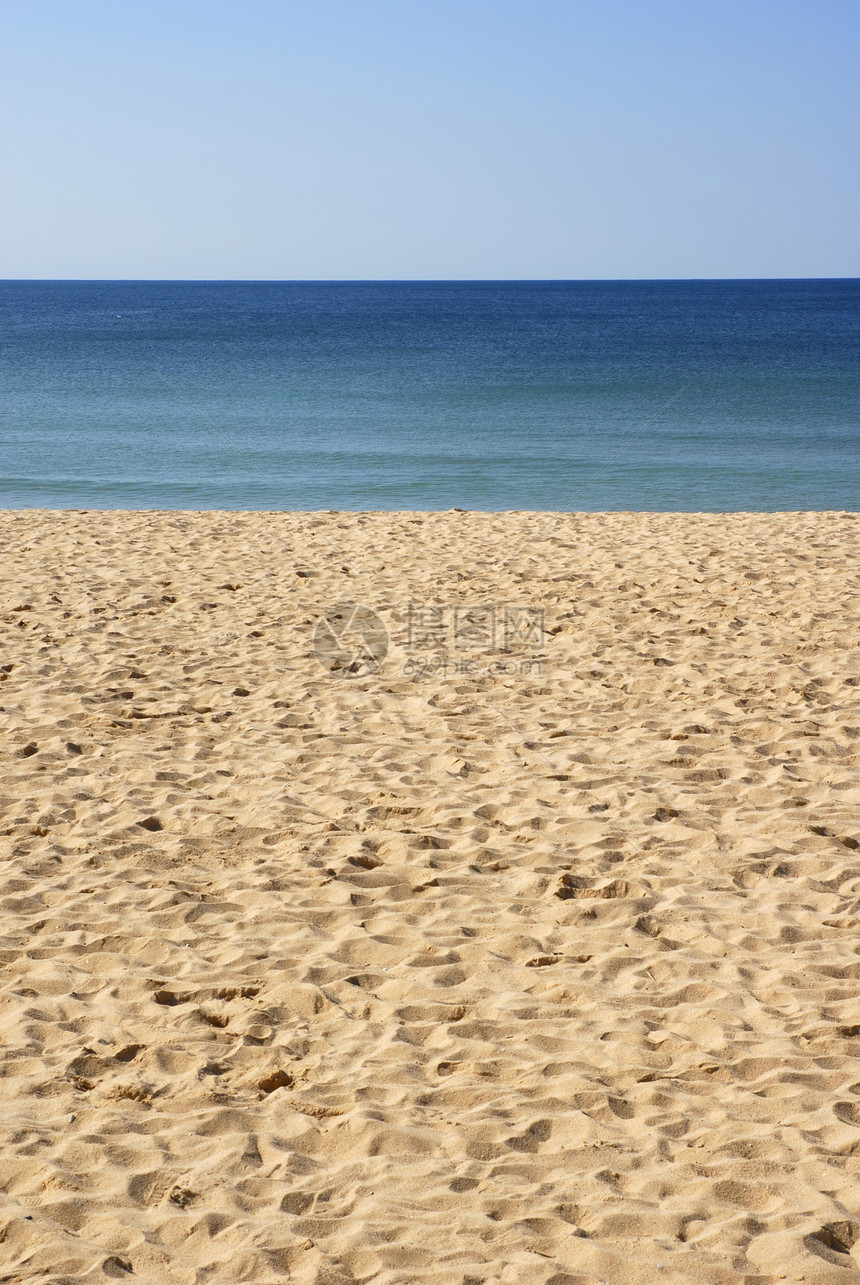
(563, 395)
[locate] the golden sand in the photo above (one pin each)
(530, 956)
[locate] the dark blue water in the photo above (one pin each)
(717, 395)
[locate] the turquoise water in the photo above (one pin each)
(717, 395)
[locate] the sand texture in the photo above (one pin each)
(530, 956)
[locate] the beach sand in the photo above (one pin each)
(529, 956)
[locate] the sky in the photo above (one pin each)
(429, 139)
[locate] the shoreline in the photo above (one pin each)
(489, 513)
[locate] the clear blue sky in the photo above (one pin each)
(429, 138)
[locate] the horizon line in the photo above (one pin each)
(405, 280)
